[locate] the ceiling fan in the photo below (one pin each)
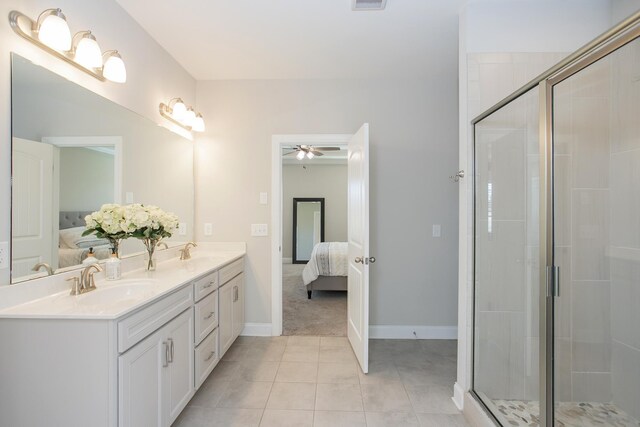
(310, 151)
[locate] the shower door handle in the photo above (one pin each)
(553, 281)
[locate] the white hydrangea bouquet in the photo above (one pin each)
(107, 223)
(149, 224)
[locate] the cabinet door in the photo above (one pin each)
(225, 321)
(238, 306)
(179, 374)
(140, 378)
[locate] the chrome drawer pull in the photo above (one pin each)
(166, 355)
(208, 285)
(213, 353)
(210, 315)
(170, 350)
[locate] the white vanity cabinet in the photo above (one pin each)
(155, 377)
(231, 296)
(138, 367)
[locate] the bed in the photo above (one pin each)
(72, 246)
(327, 268)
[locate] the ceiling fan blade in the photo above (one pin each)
(316, 153)
(327, 148)
(290, 152)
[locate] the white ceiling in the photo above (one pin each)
(302, 39)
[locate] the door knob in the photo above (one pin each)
(371, 259)
(359, 260)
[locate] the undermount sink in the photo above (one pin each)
(118, 293)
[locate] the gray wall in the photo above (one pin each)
(328, 181)
(413, 128)
(86, 179)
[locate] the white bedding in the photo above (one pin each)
(327, 259)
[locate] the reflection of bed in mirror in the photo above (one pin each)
(327, 268)
(72, 246)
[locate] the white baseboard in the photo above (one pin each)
(287, 260)
(458, 396)
(407, 332)
(257, 330)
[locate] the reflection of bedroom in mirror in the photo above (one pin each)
(72, 152)
(314, 224)
(308, 227)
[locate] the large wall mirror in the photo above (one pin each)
(72, 152)
(308, 227)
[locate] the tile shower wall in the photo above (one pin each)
(625, 228)
(583, 326)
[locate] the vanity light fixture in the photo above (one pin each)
(51, 33)
(52, 29)
(178, 113)
(85, 50)
(114, 69)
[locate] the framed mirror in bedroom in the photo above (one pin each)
(308, 227)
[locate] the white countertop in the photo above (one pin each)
(146, 286)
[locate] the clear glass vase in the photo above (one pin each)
(150, 245)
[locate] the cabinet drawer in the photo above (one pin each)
(205, 285)
(206, 316)
(207, 357)
(230, 271)
(141, 324)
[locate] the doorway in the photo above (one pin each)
(356, 243)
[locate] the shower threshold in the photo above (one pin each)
(568, 414)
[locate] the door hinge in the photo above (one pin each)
(553, 281)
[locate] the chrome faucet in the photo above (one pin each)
(40, 265)
(87, 282)
(162, 244)
(185, 254)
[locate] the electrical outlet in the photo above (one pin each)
(182, 228)
(436, 230)
(128, 197)
(4, 255)
(208, 229)
(263, 198)
(259, 230)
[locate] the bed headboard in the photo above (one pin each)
(70, 219)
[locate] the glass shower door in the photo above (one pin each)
(506, 330)
(596, 134)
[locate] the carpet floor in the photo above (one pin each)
(324, 314)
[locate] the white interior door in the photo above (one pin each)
(358, 237)
(32, 222)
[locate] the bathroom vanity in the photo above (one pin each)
(131, 353)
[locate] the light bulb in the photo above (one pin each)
(189, 117)
(198, 124)
(310, 155)
(300, 155)
(179, 110)
(87, 52)
(114, 69)
(53, 30)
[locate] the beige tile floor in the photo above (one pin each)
(315, 381)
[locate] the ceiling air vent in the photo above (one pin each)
(368, 4)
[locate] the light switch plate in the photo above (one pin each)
(4, 255)
(182, 228)
(128, 197)
(437, 230)
(259, 230)
(263, 198)
(208, 229)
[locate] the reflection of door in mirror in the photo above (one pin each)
(308, 227)
(58, 181)
(32, 203)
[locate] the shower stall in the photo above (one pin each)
(557, 243)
